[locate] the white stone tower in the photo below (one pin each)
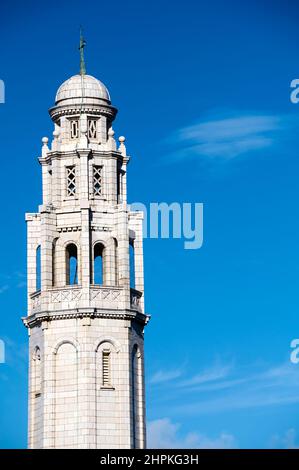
(85, 283)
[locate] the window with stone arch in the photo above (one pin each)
(106, 361)
(137, 398)
(115, 246)
(98, 264)
(106, 368)
(71, 253)
(132, 263)
(120, 180)
(54, 262)
(65, 391)
(38, 270)
(36, 372)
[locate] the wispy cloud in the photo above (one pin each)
(165, 376)
(16, 353)
(223, 387)
(287, 441)
(15, 279)
(21, 284)
(226, 136)
(4, 288)
(212, 374)
(164, 434)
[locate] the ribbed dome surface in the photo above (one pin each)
(81, 87)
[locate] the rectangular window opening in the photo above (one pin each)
(97, 180)
(106, 369)
(71, 180)
(74, 128)
(92, 129)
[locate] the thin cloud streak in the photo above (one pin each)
(225, 137)
(16, 279)
(209, 375)
(164, 434)
(236, 389)
(237, 401)
(4, 288)
(287, 441)
(165, 376)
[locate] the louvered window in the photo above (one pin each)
(97, 180)
(106, 368)
(71, 180)
(74, 129)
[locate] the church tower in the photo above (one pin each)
(85, 282)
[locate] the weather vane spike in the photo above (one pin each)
(81, 48)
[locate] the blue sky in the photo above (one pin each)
(203, 92)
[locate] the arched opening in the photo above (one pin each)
(137, 399)
(120, 176)
(37, 375)
(54, 280)
(38, 269)
(116, 261)
(106, 368)
(132, 264)
(65, 392)
(98, 264)
(71, 265)
(36, 398)
(108, 385)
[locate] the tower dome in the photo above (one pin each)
(82, 87)
(82, 94)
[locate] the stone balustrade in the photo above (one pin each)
(70, 297)
(135, 296)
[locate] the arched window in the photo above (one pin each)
(37, 372)
(116, 261)
(137, 399)
(120, 177)
(105, 360)
(106, 368)
(54, 280)
(38, 268)
(132, 264)
(71, 264)
(65, 391)
(98, 264)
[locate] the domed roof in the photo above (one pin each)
(81, 86)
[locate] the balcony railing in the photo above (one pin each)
(35, 300)
(135, 296)
(96, 296)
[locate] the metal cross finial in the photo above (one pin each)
(81, 48)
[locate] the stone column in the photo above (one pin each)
(123, 248)
(85, 222)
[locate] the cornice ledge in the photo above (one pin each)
(52, 154)
(107, 153)
(38, 317)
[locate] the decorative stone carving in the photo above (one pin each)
(135, 297)
(69, 229)
(36, 300)
(65, 295)
(105, 294)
